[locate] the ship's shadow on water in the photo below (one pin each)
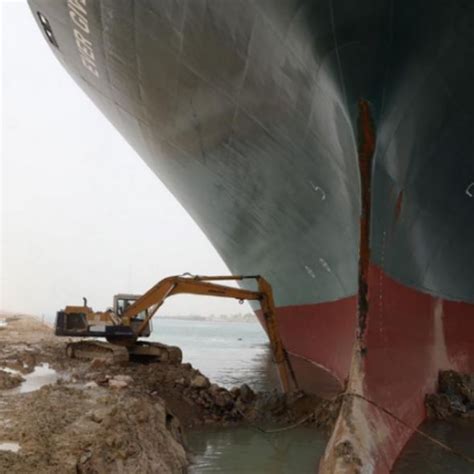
(421, 456)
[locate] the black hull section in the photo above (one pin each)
(247, 111)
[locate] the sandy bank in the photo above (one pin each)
(95, 417)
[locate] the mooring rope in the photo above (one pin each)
(285, 428)
(427, 436)
(407, 425)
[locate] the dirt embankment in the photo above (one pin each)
(119, 418)
(455, 396)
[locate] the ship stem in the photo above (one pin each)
(349, 446)
(366, 143)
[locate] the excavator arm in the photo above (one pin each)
(205, 285)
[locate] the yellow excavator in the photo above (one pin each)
(130, 319)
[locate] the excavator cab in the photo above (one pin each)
(122, 303)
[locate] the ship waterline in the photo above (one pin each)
(247, 111)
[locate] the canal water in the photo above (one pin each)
(248, 451)
(232, 353)
(229, 353)
(421, 456)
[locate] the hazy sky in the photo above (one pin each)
(81, 214)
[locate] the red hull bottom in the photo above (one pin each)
(409, 337)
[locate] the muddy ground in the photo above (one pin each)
(123, 418)
(455, 397)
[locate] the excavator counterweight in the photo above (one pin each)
(130, 319)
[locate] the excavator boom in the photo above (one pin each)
(204, 285)
(124, 327)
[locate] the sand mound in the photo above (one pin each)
(83, 430)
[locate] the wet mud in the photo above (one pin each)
(455, 397)
(132, 417)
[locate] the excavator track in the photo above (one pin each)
(156, 352)
(88, 350)
(149, 351)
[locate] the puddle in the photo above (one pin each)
(42, 375)
(3, 323)
(9, 446)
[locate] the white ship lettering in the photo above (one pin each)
(78, 14)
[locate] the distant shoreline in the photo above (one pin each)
(214, 319)
(49, 320)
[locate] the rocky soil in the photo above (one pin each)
(9, 380)
(455, 396)
(124, 418)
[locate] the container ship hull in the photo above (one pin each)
(247, 112)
